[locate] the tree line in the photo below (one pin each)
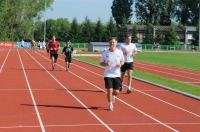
(21, 19)
(85, 32)
(17, 18)
(156, 13)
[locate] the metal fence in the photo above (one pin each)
(141, 46)
(171, 47)
(76, 45)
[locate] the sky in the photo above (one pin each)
(79, 9)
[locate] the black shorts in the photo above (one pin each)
(68, 59)
(54, 55)
(114, 83)
(127, 66)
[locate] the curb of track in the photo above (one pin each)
(171, 89)
(158, 85)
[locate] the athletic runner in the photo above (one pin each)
(129, 50)
(112, 59)
(53, 47)
(68, 50)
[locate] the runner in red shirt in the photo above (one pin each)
(53, 47)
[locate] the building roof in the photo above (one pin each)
(164, 28)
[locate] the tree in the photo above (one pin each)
(63, 28)
(38, 31)
(122, 13)
(111, 30)
(134, 34)
(168, 12)
(122, 31)
(156, 12)
(149, 34)
(159, 37)
(195, 41)
(74, 31)
(171, 36)
(51, 29)
(188, 12)
(122, 10)
(87, 31)
(17, 17)
(99, 31)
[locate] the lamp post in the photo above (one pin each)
(199, 25)
(44, 21)
(33, 36)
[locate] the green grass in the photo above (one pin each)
(189, 61)
(183, 87)
(88, 60)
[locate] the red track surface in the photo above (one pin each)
(34, 98)
(179, 74)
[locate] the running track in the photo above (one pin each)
(183, 75)
(34, 98)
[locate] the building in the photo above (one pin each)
(185, 33)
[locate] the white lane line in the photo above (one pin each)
(155, 90)
(144, 93)
(138, 110)
(77, 99)
(170, 74)
(32, 96)
(140, 63)
(156, 98)
(140, 91)
(12, 89)
(87, 125)
(4, 61)
(192, 82)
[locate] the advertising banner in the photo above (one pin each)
(7, 44)
(23, 44)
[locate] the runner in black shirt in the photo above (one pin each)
(68, 50)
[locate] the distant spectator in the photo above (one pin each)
(22, 43)
(43, 45)
(156, 46)
(33, 44)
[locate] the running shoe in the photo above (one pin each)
(113, 99)
(130, 90)
(110, 107)
(121, 88)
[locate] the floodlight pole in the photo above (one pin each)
(199, 25)
(33, 36)
(44, 20)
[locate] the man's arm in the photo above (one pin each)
(63, 50)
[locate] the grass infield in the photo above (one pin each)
(190, 61)
(176, 85)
